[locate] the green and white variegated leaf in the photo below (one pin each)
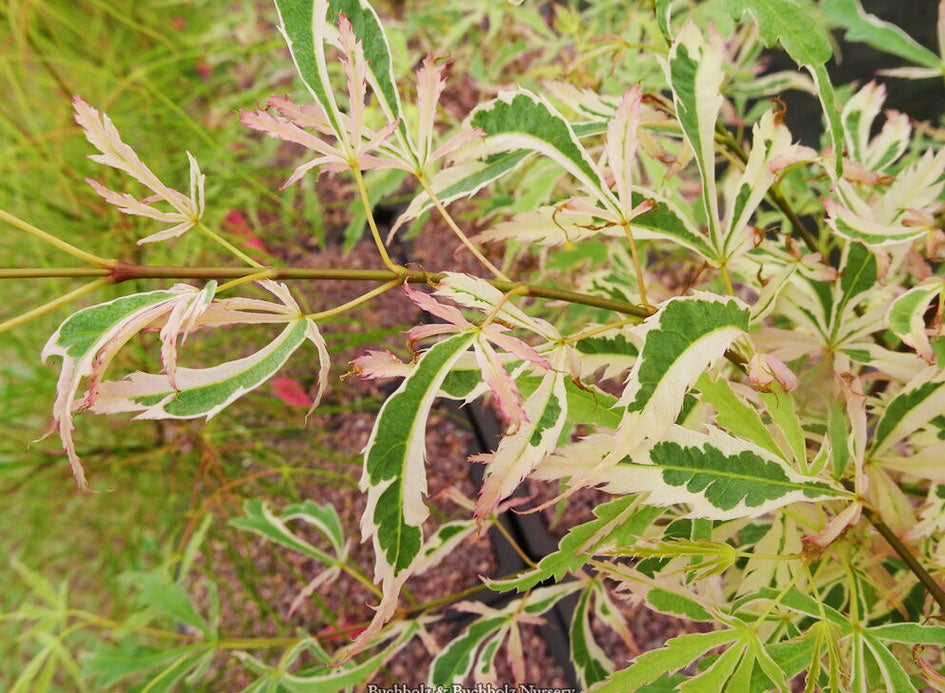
(771, 151)
(795, 25)
(696, 75)
(307, 25)
(906, 316)
(864, 27)
(201, 392)
(718, 476)
(917, 403)
(616, 522)
(304, 26)
(684, 338)
(664, 221)
(521, 120)
(258, 518)
(677, 653)
(474, 292)
(859, 227)
(442, 543)
(80, 338)
(878, 153)
(591, 664)
(782, 538)
(394, 477)
(331, 679)
(892, 674)
(614, 351)
(454, 662)
(518, 453)
(462, 180)
(918, 186)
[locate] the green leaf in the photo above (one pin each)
(780, 405)
(734, 414)
(676, 604)
(864, 27)
(259, 519)
(454, 661)
(794, 24)
(894, 676)
(619, 515)
(168, 598)
(678, 653)
(201, 392)
(909, 634)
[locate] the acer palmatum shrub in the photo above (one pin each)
(769, 315)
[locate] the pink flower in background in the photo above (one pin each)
(291, 392)
(234, 222)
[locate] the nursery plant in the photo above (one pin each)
(735, 335)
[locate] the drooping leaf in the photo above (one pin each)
(394, 477)
(591, 663)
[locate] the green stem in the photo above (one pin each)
(125, 272)
(369, 213)
(217, 238)
(62, 245)
(448, 218)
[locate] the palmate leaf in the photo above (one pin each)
(678, 653)
(259, 519)
(454, 662)
(201, 392)
(325, 678)
(616, 523)
(394, 478)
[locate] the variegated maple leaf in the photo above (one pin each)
(88, 341)
(187, 209)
